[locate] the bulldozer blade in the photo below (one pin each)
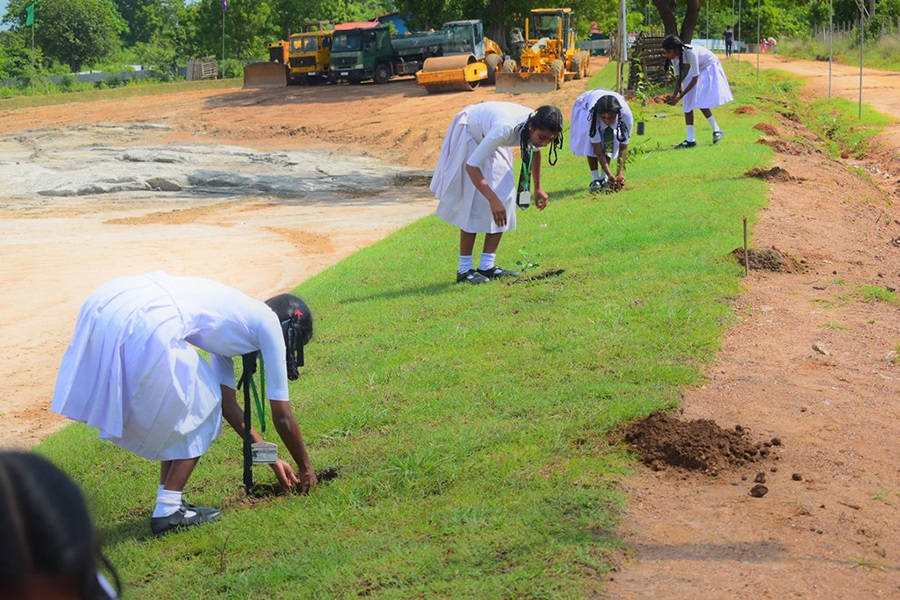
(526, 83)
(265, 75)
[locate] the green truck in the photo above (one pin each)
(361, 54)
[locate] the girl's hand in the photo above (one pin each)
(499, 212)
(307, 479)
(540, 199)
(285, 474)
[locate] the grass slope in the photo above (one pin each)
(470, 423)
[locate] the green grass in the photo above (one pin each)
(126, 91)
(881, 54)
(470, 423)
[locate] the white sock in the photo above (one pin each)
(712, 121)
(487, 261)
(595, 174)
(167, 503)
(465, 263)
(690, 133)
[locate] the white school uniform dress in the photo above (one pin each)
(133, 372)
(580, 140)
(481, 135)
(712, 87)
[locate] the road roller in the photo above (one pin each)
(459, 73)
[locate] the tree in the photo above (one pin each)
(72, 32)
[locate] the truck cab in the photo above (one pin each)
(309, 56)
(464, 37)
(355, 53)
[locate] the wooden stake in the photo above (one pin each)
(746, 253)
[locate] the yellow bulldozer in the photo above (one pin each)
(548, 55)
(466, 59)
(303, 57)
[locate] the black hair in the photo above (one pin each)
(296, 325)
(548, 118)
(46, 530)
(673, 42)
(609, 104)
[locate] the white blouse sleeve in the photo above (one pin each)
(492, 142)
(271, 346)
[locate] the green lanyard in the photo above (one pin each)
(260, 405)
(526, 169)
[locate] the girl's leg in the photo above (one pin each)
(466, 272)
(717, 133)
(689, 141)
(491, 241)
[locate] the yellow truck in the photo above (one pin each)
(309, 53)
(303, 58)
(549, 56)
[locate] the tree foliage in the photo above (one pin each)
(73, 32)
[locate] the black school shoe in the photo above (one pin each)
(471, 276)
(180, 520)
(717, 135)
(495, 272)
(685, 144)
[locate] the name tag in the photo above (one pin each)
(524, 200)
(264, 453)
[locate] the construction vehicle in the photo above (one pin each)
(548, 57)
(467, 58)
(371, 53)
(272, 73)
(309, 52)
(304, 57)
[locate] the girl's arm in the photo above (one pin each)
(601, 158)
(481, 184)
(540, 196)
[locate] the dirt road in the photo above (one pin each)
(268, 187)
(812, 364)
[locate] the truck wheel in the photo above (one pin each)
(510, 66)
(559, 71)
(577, 67)
(587, 65)
(382, 73)
(492, 61)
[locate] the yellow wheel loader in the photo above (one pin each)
(548, 55)
(467, 58)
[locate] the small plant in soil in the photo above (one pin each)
(526, 262)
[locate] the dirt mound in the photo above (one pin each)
(792, 147)
(770, 259)
(773, 174)
(767, 128)
(745, 110)
(661, 440)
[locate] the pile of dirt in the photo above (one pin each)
(768, 129)
(773, 174)
(769, 259)
(792, 147)
(745, 110)
(662, 440)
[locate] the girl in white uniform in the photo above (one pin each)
(474, 178)
(599, 116)
(132, 371)
(700, 83)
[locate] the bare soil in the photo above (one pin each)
(811, 361)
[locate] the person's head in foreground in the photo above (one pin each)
(48, 544)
